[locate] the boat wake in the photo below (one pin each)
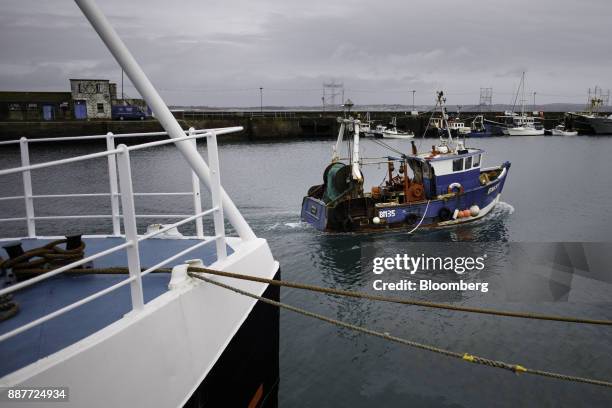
(503, 208)
(285, 225)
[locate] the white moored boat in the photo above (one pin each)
(107, 322)
(524, 131)
(522, 125)
(394, 133)
(560, 130)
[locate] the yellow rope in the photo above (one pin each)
(362, 295)
(467, 357)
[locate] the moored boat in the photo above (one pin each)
(444, 186)
(394, 133)
(560, 130)
(114, 319)
(592, 120)
(522, 125)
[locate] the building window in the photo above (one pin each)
(477, 160)
(457, 164)
(32, 106)
(100, 89)
(14, 106)
(468, 162)
(100, 108)
(80, 87)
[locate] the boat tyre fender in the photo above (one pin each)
(411, 219)
(347, 224)
(444, 214)
(455, 188)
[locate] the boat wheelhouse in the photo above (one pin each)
(444, 186)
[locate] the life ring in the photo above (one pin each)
(453, 186)
(444, 214)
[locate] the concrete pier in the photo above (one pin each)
(280, 125)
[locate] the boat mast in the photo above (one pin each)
(127, 62)
(355, 162)
(335, 155)
(441, 101)
(523, 95)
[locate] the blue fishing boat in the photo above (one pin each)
(444, 186)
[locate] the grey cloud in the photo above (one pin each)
(220, 53)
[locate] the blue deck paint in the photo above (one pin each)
(59, 291)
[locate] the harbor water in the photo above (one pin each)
(559, 190)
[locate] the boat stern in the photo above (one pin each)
(314, 212)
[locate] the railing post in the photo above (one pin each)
(215, 192)
(197, 199)
(112, 178)
(27, 187)
(129, 225)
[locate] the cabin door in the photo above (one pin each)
(80, 110)
(48, 112)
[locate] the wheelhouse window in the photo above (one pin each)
(457, 164)
(100, 108)
(477, 160)
(468, 162)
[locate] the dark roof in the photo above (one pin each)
(89, 79)
(34, 97)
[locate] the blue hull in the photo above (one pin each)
(438, 212)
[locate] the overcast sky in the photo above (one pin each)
(219, 53)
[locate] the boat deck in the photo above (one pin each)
(44, 297)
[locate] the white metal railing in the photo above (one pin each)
(121, 192)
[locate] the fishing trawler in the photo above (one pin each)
(394, 133)
(381, 131)
(115, 319)
(478, 128)
(444, 186)
(592, 120)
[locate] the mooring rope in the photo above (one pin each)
(26, 273)
(516, 368)
(422, 218)
(361, 295)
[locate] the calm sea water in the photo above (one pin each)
(559, 189)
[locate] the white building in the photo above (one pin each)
(92, 98)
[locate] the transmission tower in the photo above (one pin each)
(331, 91)
(486, 99)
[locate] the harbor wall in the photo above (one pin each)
(258, 126)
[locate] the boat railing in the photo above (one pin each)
(121, 191)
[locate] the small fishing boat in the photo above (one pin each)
(524, 130)
(444, 186)
(394, 133)
(478, 128)
(560, 130)
(458, 128)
